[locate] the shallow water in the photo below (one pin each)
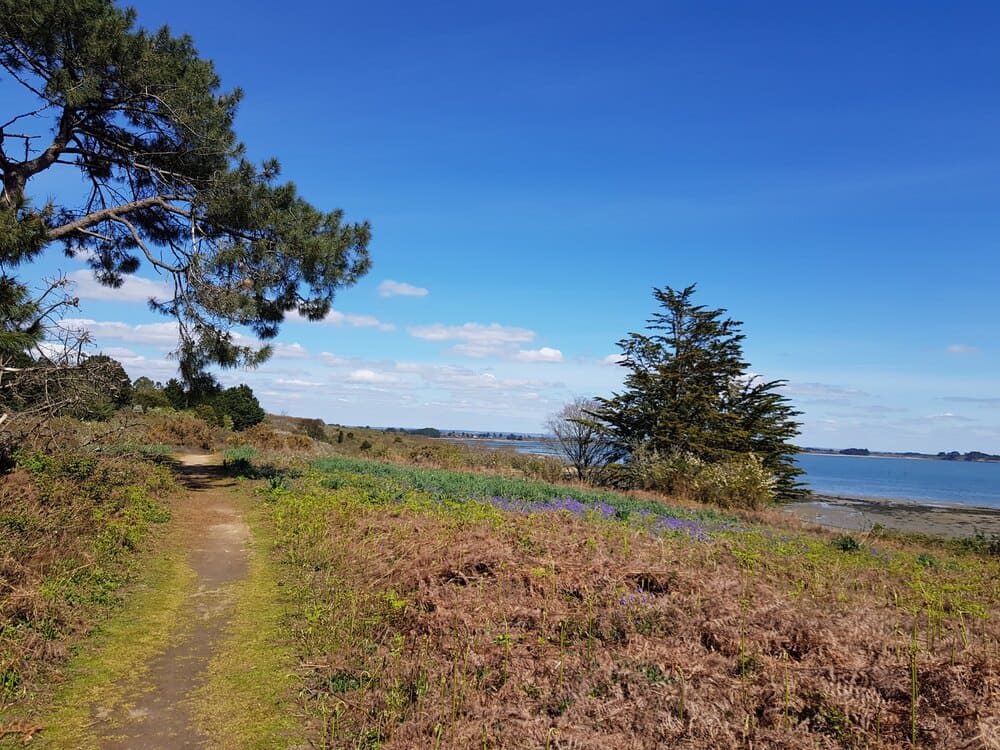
(925, 480)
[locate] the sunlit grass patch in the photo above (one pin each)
(247, 699)
(385, 483)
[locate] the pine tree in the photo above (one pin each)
(689, 392)
(142, 120)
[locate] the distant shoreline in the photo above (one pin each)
(910, 516)
(899, 456)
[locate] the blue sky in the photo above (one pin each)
(826, 171)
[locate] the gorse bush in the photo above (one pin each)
(181, 429)
(739, 482)
(264, 437)
(261, 436)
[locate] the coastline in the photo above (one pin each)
(899, 456)
(908, 516)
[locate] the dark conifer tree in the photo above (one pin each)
(689, 392)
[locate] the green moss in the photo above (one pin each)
(113, 656)
(246, 701)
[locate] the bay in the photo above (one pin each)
(924, 480)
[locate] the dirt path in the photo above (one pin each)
(159, 713)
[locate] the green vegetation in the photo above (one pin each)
(245, 702)
(235, 408)
(71, 526)
(387, 482)
(118, 653)
(412, 606)
(690, 400)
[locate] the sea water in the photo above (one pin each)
(925, 480)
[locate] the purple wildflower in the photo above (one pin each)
(568, 504)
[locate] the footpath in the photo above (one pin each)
(159, 710)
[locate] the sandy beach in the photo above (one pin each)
(860, 514)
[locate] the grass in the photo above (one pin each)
(117, 653)
(426, 612)
(71, 530)
(245, 701)
(388, 481)
(396, 606)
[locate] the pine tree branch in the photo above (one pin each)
(96, 217)
(142, 245)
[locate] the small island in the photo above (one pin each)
(941, 456)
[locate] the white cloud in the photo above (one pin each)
(462, 382)
(371, 377)
(151, 334)
(961, 349)
(136, 365)
(134, 289)
(822, 391)
(613, 359)
(475, 333)
(333, 360)
(118, 352)
(298, 383)
(390, 288)
(949, 417)
(337, 318)
(477, 340)
(545, 354)
(290, 351)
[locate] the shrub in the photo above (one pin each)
(148, 397)
(70, 523)
(208, 414)
(314, 428)
(242, 405)
(238, 460)
(846, 543)
(182, 429)
(263, 437)
(741, 481)
(676, 474)
(298, 443)
(982, 544)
